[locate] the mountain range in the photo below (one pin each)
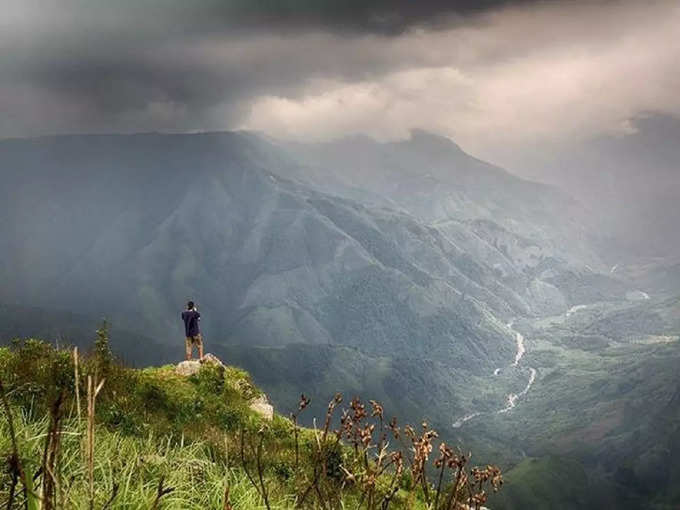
(409, 272)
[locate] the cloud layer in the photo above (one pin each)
(520, 78)
(495, 76)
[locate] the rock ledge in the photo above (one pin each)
(260, 404)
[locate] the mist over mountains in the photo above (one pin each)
(630, 181)
(466, 211)
(412, 251)
(136, 223)
(403, 271)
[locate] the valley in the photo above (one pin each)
(409, 272)
(423, 249)
(512, 398)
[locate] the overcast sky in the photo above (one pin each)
(497, 77)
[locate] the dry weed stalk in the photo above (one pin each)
(260, 468)
(377, 470)
(259, 485)
(14, 461)
(304, 402)
(77, 381)
(227, 502)
(161, 491)
(49, 468)
(373, 468)
(114, 493)
(93, 389)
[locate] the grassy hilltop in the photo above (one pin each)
(156, 439)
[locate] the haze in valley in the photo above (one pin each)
(466, 210)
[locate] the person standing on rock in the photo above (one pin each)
(190, 316)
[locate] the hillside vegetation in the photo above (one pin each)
(150, 438)
(399, 271)
(403, 295)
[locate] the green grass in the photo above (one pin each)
(152, 425)
(196, 435)
(197, 474)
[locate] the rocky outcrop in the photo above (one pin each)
(191, 367)
(260, 403)
(211, 358)
(262, 407)
(187, 368)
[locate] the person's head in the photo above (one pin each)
(190, 305)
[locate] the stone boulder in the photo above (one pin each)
(262, 407)
(212, 359)
(191, 367)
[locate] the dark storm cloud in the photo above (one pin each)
(128, 65)
(386, 16)
(322, 68)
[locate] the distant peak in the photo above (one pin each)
(429, 140)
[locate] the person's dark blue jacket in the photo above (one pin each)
(190, 318)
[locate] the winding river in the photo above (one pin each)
(512, 398)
